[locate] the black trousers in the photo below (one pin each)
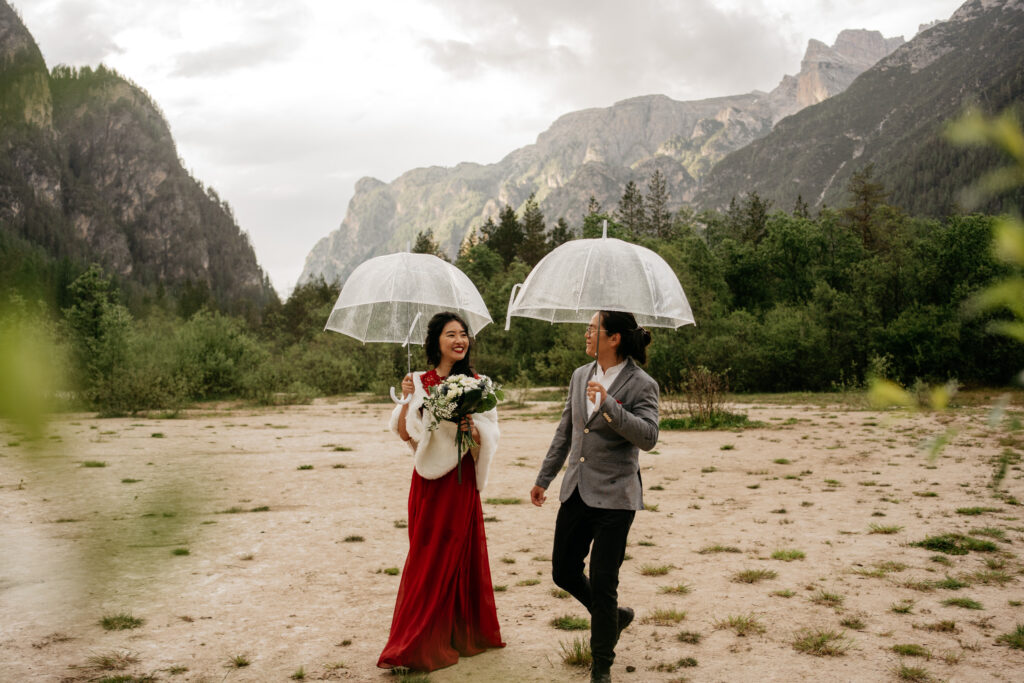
(581, 529)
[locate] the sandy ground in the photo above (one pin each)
(284, 587)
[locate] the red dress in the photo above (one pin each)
(445, 605)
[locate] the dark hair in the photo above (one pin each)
(433, 343)
(633, 338)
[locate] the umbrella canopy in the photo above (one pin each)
(581, 277)
(384, 296)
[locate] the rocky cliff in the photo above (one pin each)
(594, 152)
(89, 172)
(892, 117)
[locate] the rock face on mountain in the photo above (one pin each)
(892, 117)
(593, 152)
(826, 71)
(89, 172)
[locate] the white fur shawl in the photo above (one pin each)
(436, 455)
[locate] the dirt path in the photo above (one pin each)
(285, 589)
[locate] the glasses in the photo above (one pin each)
(591, 330)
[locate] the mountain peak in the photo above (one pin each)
(24, 93)
(828, 70)
(588, 153)
(891, 117)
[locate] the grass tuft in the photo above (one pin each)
(821, 643)
(944, 626)
(112, 661)
(903, 606)
(912, 650)
(569, 623)
(239, 662)
(975, 511)
(120, 622)
(503, 501)
(1014, 638)
(884, 529)
(669, 667)
(951, 583)
(827, 599)
(577, 652)
(678, 589)
(718, 548)
(690, 637)
(753, 575)
(664, 617)
(912, 673)
(965, 603)
(788, 555)
(655, 570)
(955, 544)
(742, 624)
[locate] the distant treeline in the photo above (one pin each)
(783, 301)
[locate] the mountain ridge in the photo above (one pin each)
(89, 171)
(891, 117)
(588, 152)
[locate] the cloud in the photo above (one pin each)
(600, 51)
(223, 59)
(267, 34)
(73, 31)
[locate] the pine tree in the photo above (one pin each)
(487, 230)
(425, 243)
(560, 234)
(868, 198)
(747, 220)
(800, 208)
(471, 240)
(534, 244)
(594, 218)
(507, 235)
(631, 214)
(659, 219)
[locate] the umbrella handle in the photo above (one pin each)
(411, 328)
(399, 401)
(511, 300)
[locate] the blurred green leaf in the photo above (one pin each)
(883, 393)
(1009, 240)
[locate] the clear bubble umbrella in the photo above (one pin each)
(581, 277)
(391, 298)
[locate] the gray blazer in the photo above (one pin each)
(603, 448)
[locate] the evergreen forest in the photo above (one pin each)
(784, 301)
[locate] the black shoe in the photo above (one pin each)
(625, 619)
(600, 674)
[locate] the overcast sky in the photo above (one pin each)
(282, 106)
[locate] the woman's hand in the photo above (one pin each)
(407, 386)
(596, 392)
(466, 425)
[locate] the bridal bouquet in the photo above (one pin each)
(457, 396)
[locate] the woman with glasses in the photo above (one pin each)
(611, 413)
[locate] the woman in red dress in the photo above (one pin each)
(445, 605)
